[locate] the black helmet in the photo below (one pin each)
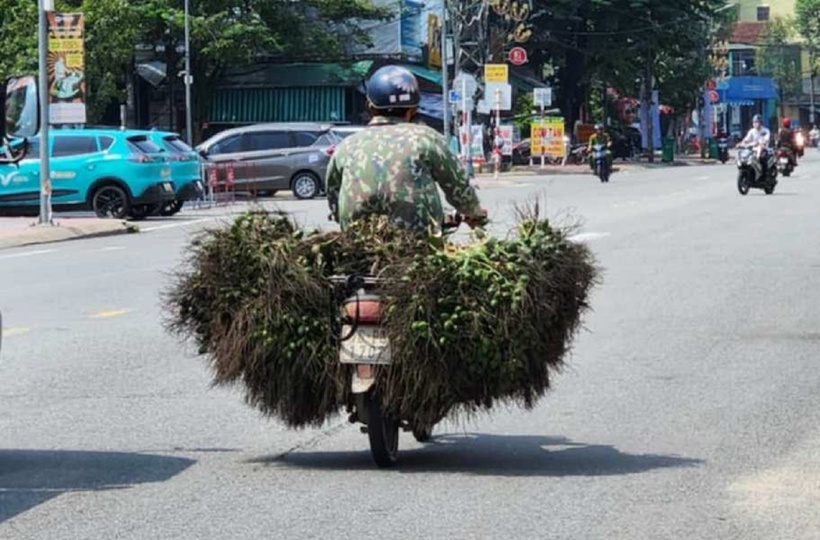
(393, 87)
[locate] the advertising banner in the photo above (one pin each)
(66, 68)
(550, 130)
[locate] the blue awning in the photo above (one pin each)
(744, 90)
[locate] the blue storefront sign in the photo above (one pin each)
(746, 90)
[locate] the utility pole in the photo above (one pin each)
(45, 178)
(189, 79)
(445, 84)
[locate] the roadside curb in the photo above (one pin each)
(63, 231)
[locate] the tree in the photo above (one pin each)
(808, 24)
(223, 33)
(778, 57)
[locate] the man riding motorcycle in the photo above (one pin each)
(600, 137)
(759, 137)
(392, 167)
(786, 142)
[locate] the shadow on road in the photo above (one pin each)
(496, 455)
(31, 477)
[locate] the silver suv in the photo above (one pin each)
(272, 157)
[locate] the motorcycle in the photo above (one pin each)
(600, 163)
(748, 164)
(800, 143)
(814, 138)
(785, 165)
(723, 149)
(365, 347)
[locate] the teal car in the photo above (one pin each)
(186, 170)
(116, 173)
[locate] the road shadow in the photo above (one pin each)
(29, 478)
(495, 455)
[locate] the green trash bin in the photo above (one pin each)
(713, 149)
(668, 150)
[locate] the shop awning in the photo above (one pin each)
(745, 90)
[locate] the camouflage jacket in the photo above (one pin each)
(391, 168)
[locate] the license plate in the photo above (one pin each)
(783, 161)
(369, 345)
(167, 187)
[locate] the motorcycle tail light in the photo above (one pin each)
(366, 309)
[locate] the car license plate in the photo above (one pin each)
(369, 345)
(167, 187)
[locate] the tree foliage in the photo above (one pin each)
(613, 42)
(779, 58)
(807, 19)
(223, 33)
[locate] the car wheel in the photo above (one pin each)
(111, 201)
(142, 211)
(305, 185)
(171, 208)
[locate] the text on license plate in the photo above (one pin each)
(369, 345)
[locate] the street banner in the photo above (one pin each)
(477, 142)
(551, 131)
(66, 68)
(506, 133)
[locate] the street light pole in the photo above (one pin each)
(45, 179)
(188, 78)
(445, 86)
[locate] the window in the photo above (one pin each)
(306, 138)
(762, 13)
(145, 145)
(229, 145)
(106, 143)
(73, 146)
(743, 63)
(175, 145)
(268, 140)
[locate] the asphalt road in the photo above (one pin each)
(690, 408)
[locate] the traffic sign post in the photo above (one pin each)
(496, 73)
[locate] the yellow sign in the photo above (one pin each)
(550, 133)
(66, 68)
(495, 73)
(433, 41)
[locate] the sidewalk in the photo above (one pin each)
(23, 231)
(619, 165)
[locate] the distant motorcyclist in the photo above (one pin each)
(814, 136)
(786, 141)
(600, 137)
(759, 137)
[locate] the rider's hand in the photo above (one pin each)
(477, 220)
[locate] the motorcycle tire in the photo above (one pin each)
(383, 433)
(768, 190)
(723, 160)
(742, 183)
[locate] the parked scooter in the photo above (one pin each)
(754, 174)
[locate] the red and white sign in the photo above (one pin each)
(518, 56)
(714, 97)
(711, 84)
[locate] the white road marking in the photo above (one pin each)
(172, 225)
(580, 237)
(27, 254)
(113, 248)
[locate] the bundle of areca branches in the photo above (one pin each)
(469, 325)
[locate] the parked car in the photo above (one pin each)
(342, 132)
(271, 157)
(186, 173)
(115, 173)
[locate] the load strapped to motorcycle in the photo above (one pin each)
(401, 330)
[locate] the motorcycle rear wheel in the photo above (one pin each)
(383, 433)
